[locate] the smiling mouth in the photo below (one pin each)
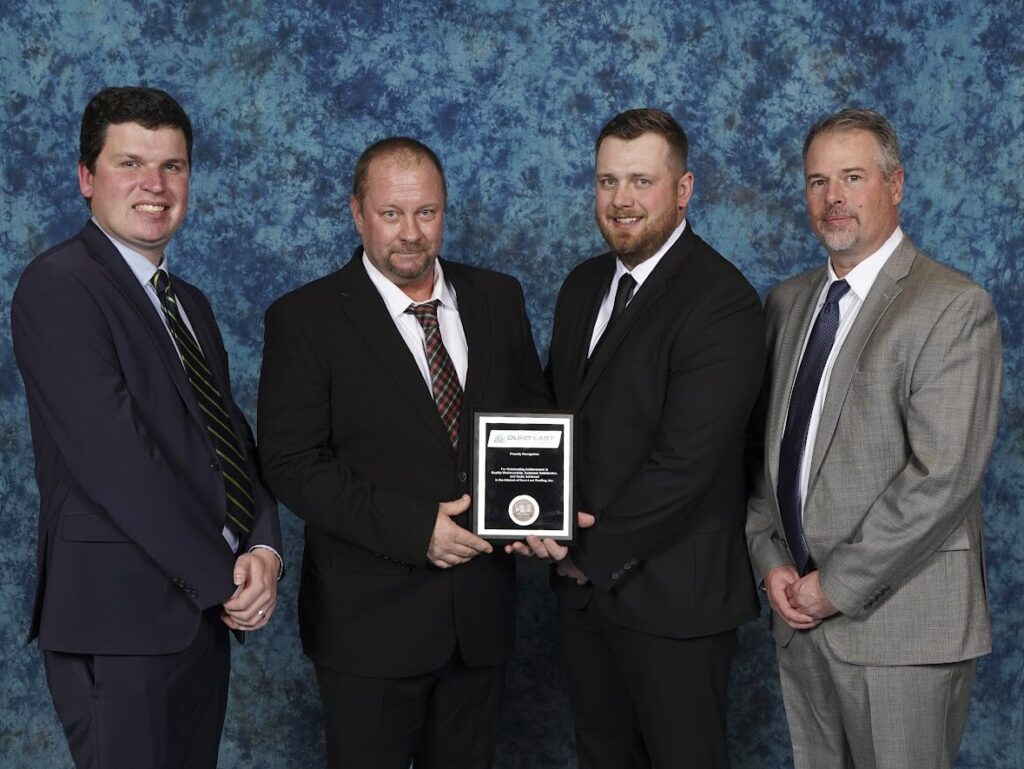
(150, 208)
(625, 220)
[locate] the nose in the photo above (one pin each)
(410, 229)
(622, 198)
(833, 193)
(153, 179)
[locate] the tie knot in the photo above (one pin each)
(837, 291)
(425, 313)
(161, 282)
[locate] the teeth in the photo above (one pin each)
(149, 209)
(627, 220)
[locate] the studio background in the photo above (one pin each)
(284, 95)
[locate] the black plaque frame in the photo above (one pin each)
(518, 439)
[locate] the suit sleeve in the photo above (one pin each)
(715, 374)
(950, 424)
(78, 396)
(302, 468)
(766, 545)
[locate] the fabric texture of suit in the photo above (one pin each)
(892, 513)
(131, 550)
(352, 442)
(661, 412)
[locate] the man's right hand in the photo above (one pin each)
(775, 583)
(450, 544)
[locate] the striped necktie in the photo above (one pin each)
(232, 462)
(444, 382)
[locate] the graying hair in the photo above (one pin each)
(862, 120)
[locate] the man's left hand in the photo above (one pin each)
(253, 602)
(806, 595)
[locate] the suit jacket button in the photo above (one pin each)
(616, 574)
(215, 465)
(627, 566)
(462, 476)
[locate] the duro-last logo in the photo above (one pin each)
(524, 439)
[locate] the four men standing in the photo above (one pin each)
(864, 527)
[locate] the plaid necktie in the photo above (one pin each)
(444, 382)
(798, 421)
(225, 442)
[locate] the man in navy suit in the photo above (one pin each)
(155, 533)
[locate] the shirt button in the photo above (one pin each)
(462, 476)
(214, 465)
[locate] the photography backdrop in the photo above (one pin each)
(285, 94)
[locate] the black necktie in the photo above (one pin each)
(237, 486)
(798, 419)
(623, 293)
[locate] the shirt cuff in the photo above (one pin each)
(280, 560)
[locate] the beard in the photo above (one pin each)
(632, 248)
(839, 239)
(409, 262)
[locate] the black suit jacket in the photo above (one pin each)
(661, 414)
(352, 443)
(131, 504)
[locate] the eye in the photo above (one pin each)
(389, 214)
(606, 183)
(427, 213)
(129, 163)
(643, 182)
(853, 178)
(173, 166)
(816, 183)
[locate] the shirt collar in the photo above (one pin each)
(397, 301)
(140, 265)
(646, 267)
(862, 277)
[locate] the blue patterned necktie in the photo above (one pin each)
(801, 405)
(232, 462)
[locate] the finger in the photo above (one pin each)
(585, 520)
(555, 551)
(519, 548)
(472, 541)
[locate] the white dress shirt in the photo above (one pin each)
(452, 334)
(861, 278)
(640, 273)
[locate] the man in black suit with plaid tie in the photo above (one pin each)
(370, 376)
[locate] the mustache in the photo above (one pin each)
(839, 211)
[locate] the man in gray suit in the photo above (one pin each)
(865, 525)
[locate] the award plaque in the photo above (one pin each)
(522, 475)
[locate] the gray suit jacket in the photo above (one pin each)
(893, 509)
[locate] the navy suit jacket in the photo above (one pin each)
(132, 502)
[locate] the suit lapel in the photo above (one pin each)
(585, 321)
(365, 308)
(476, 323)
(646, 296)
(789, 344)
(117, 271)
(882, 294)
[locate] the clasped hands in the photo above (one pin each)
(799, 601)
(255, 577)
(451, 545)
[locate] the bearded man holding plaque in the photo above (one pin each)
(658, 349)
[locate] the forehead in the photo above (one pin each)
(647, 153)
(407, 176)
(842, 149)
(135, 138)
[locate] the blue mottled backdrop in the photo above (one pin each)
(285, 94)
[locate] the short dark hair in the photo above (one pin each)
(634, 123)
(862, 120)
(393, 146)
(149, 107)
